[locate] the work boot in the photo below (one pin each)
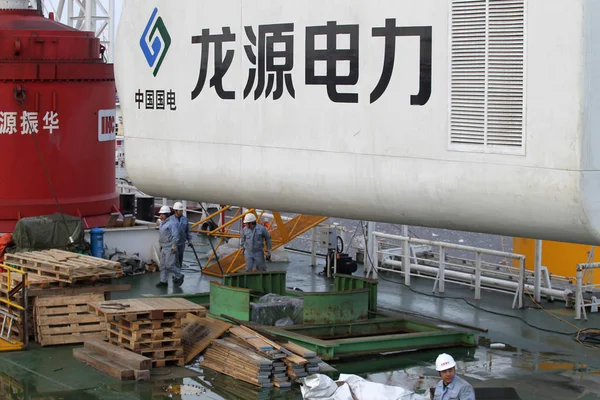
(179, 281)
(162, 284)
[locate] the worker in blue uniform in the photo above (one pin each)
(185, 234)
(168, 238)
(253, 240)
(451, 387)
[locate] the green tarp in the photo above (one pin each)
(50, 232)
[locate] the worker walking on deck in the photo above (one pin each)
(451, 387)
(168, 238)
(185, 234)
(253, 240)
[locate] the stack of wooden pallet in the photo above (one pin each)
(150, 327)
(116, 362)
(66, 319)
(60, 268)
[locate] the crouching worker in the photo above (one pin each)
(168, 238)
(253, 241)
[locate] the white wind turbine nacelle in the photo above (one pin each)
(14, 4)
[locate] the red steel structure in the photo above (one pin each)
(57, 114)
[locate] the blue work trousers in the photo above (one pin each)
(169, 260)
(255, 259)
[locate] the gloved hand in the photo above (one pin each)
(268, 256)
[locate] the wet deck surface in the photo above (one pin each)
(540, 365)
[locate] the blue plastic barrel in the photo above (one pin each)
(97, 241)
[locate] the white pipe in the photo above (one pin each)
(537, 271)
(369, 263)
(89, 9)
(484, 279)
(111, 31)
(405, 258)
(14, 4)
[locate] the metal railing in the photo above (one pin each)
(581, 287)
(495, 273)
(13, 304)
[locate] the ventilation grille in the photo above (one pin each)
(487, 87)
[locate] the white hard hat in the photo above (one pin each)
(249, 218)
(165, 210)
(444, 362)
(178, 206)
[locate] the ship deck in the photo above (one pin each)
(538, 364)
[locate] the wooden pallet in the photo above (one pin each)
(146, 324)
(150, 308)
(66, 319)
(146, 344)
(35, 281)
(63, 266)
(146, 335)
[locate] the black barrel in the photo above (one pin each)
(145, 209)
(127, 203)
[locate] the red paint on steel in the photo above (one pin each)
(67, 84)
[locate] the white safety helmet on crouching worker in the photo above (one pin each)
(165, 210)
(249, 218)
(178, 206)
(444, 362)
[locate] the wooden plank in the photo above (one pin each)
(271, 354)
(299, 350)
(112, 219)
(269, 341)
(82, 299)
(250, 338)
(99, 328)
(72, 338)
(240, 350)
(141, 375)
(148, 306)
(103, 364)
(296, 359)
(198, 334)
(155, 354)
(119, 355)
(72, 309)
(74, 291)
(43, 321)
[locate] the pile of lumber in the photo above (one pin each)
(113, 361)
(66, 319)
(311, 366)
(60, 268)
(150, 327)
(248, 356)
(231, 359)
